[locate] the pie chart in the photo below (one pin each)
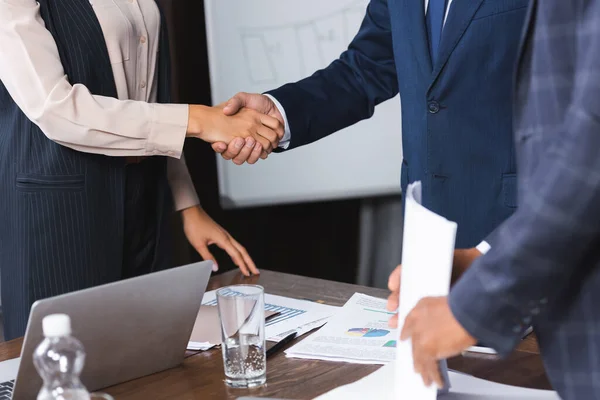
(367, 332)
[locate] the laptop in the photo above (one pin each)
(131, 328)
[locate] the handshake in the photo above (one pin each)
(243, 129)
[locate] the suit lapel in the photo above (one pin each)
(459, 17)
(526, 31)
(412, 15)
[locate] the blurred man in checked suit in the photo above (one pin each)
(545, 266)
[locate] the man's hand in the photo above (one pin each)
(241, 152)
(210, 125)
(435, 335)
(463, 258)
(202, 231)
(394, 298)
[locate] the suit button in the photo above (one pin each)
(433, 107)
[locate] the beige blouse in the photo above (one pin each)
(133, 124)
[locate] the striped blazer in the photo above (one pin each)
(62, 211)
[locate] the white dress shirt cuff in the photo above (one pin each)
(168, 130)
(483, 247)
(284, 143)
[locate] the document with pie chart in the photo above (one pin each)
(358, 333)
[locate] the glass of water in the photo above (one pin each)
(242, 315)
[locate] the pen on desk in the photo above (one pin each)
(481, 349)
(281, 344)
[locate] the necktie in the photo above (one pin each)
(435, 21)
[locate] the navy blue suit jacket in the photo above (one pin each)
(456, 114)
(545, 267)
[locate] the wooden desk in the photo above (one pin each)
(201, 375)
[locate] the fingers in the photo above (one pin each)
(256, 154)
(234, 148)
(250, 152)
(393, 322)
(270, 135)
(207, 256)
(274, 124)
(427, 366)
(245, 152)
(435, 374)
(394, 286)
(394, 280)
(421, 359)
(419, 364)
(219, 147)
(236, 103)
(234, 253)
(247, 259)
(424, 345)
(393, 301)
(264, 142)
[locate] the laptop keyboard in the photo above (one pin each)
(6, 389)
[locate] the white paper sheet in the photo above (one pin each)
(427, 254)
(295, 315)
(380, 385)
(358, 333)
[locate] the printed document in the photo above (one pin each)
(358, 333)
(427, 254)
(292, 315)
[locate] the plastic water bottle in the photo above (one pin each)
(59, 360)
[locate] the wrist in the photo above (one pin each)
(463, 258)
(197, 114)
(190, 211)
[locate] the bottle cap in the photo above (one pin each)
(56, 325)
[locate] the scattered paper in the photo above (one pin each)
(206, 333)
(207, 329)
(293, 315)
(358, 333)
(427, 254)
(200, 346)
(380, 385)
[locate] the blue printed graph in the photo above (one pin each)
(283, 313)
(367, 332)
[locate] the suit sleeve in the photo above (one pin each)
(541, 250)
(348, 90)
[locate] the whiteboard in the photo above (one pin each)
(258, 45)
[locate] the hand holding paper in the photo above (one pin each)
(435, 335)
(463, 258)
(427, 321)
(428, 247)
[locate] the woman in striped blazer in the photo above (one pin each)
(91, 150)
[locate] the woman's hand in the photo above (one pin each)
(202, 231)
(211, 125)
